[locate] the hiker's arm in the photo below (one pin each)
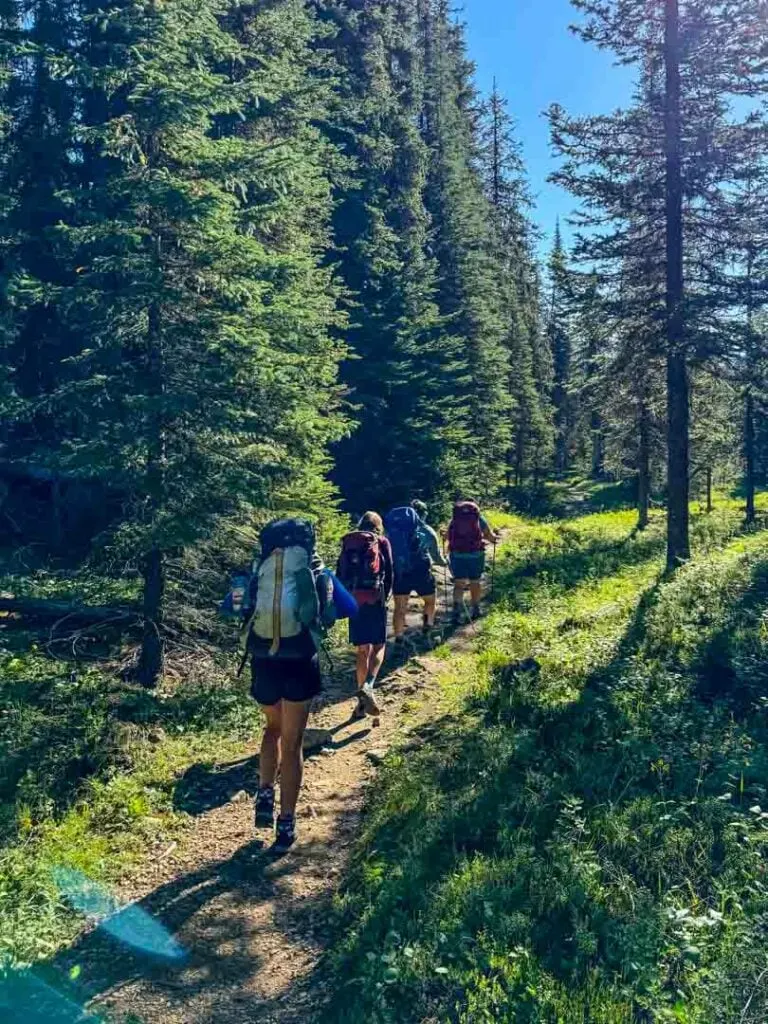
(490, 535)
(389, 567)
(435, 552)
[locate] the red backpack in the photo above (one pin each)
(361, 567)
(465, 535)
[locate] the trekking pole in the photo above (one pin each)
(445, 579)
(493, 569)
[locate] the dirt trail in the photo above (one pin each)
(254, 928)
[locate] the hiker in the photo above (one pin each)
(290, 597)
(468, 533)
(413, 569)
(366, 569)
(429, 539)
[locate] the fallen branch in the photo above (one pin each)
(59, 611)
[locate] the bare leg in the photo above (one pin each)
(476, 591)
(430, 608)
(295, 716)
(361, 667)
(269, 759)
(459, 586)
(401, 609)
(375, 660)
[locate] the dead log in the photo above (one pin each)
(74, 614)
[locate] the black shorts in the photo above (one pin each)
(469, 566)
(419, 581)
(276, 679)
(369, 626)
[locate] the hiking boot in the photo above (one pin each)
(476, 612)
(265, 808)
(286, 834)
(369, 701)
(359, 708)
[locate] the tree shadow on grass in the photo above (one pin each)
(565, 831)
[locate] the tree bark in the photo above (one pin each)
(54, 611)
(749, 455)
(598, 446)
(151, 661)
(644, 470)
(678, 401)
(152, 658)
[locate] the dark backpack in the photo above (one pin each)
(287, 533)
(402, 526)
(361, 566)
(465, 534)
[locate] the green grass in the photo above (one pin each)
(583, 841)
(89, 771)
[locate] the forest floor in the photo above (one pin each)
(253, 927)
(558, 819)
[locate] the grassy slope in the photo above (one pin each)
(89, 766)
(582, 840)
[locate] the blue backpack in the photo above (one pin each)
(402, 528)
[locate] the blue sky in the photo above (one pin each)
(526, 45)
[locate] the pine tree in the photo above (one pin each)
(513, 238)
(37, 165)
(589, 338)
(676, 135)
(205, 376)
(558, 328)
(469, 286)
(405, 375)
(742, 212)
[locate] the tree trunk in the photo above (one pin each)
(710, 506)
(749, 455)
(598, 447)
(644, 470)
(678, 411)
(153, 569)
(152, 656)
(70, 613)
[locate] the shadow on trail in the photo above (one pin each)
(208, 785)
(569, 831)
(208, 981)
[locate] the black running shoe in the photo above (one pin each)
(265, 808)
(286, 834)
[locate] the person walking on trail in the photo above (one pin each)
(413, 569)
(290, 598)
(366, 569)
(429, 539)
(468, 534)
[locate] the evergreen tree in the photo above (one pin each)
(204, 379)
(741, 210)
(469, 290)
(406, 374)
(559, 327)
(676, 136)
(37, 164)
(513, 239)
